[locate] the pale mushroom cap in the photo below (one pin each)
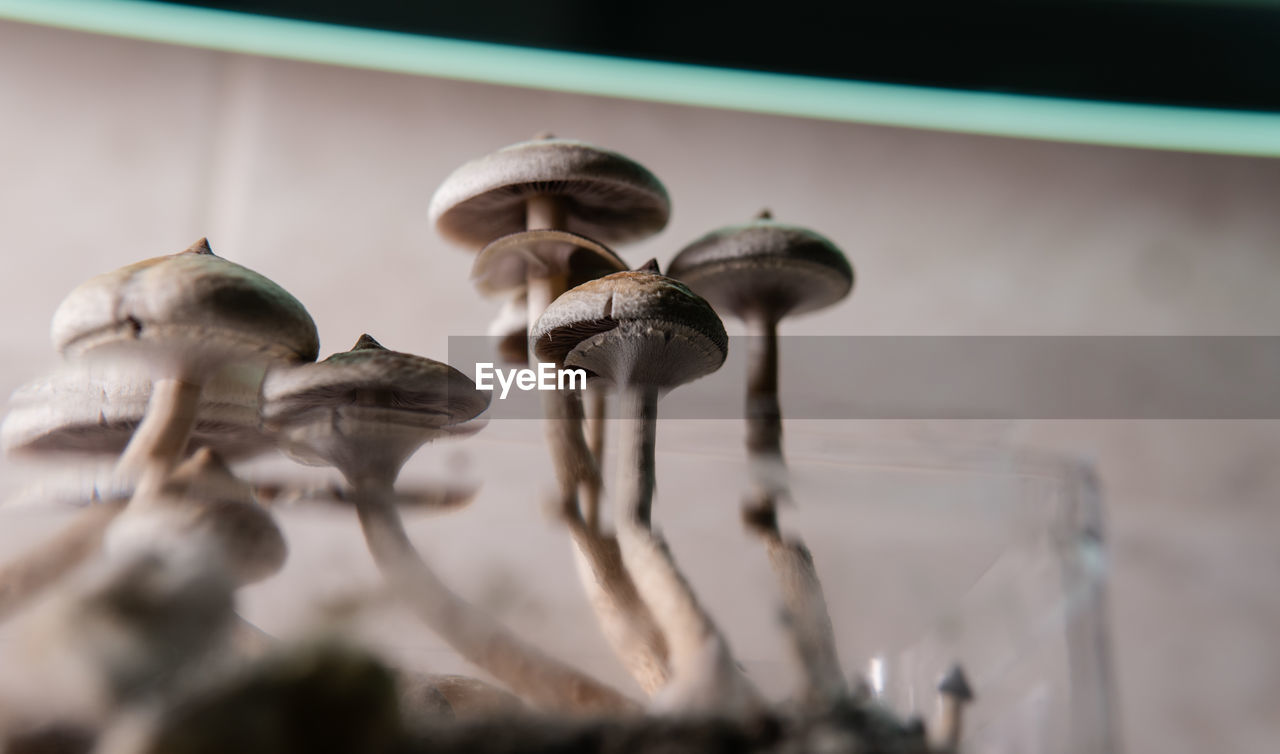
(204, 503)
(606, 196)
(191, 303)
(401, 387)
(507, 263)
(76, 411)
(638, 328)
(764, 268)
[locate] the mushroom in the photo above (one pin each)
(953, 694)
(761, 272)
(203, 507)
(182, 317)
(365, 412)
(541, 210)
(646, 334)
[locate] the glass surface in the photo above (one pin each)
(932, 548)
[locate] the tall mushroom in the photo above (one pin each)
(365, 412)
(182, 317)
(761, 272)
(543, 210)
(646, 334)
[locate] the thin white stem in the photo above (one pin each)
(159, 441)
(541, 680)
(704, 675)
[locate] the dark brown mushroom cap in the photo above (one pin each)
(956, 685)
(508, 262)
(400, 387)
(192, 302)
(75, 412)
(764, 268)
(605, 195)
(633, 328)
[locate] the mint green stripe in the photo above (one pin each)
(1156, 127)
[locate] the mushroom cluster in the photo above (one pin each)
(180, 367)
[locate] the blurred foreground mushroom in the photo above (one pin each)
(365, 412)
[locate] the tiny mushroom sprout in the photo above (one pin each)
(182, 317)
(646, 334)
(761, 272)
(365, 412)
(953, 694)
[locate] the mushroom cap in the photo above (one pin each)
(633, 328)
(507, 263)
(954, 684)
(203, 501)
(405, 388)
(368, 407)
(605, 195)
(76, 411)
(764, 268)
(185, 308)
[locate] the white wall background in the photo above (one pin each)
(318, 177)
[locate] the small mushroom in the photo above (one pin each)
(761, 272)
(647, 334)
(182, 316)
(205, 508)
(365, 412)
(953, 694)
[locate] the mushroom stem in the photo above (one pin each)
(625, 620)
(950, 722)
(636, 463)
(544, 212)
(764, 415)
(704, 674)
(808, 619)
(158, 442)
(596, 407)
(542, 680)
(35, 570)
(540, 292)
